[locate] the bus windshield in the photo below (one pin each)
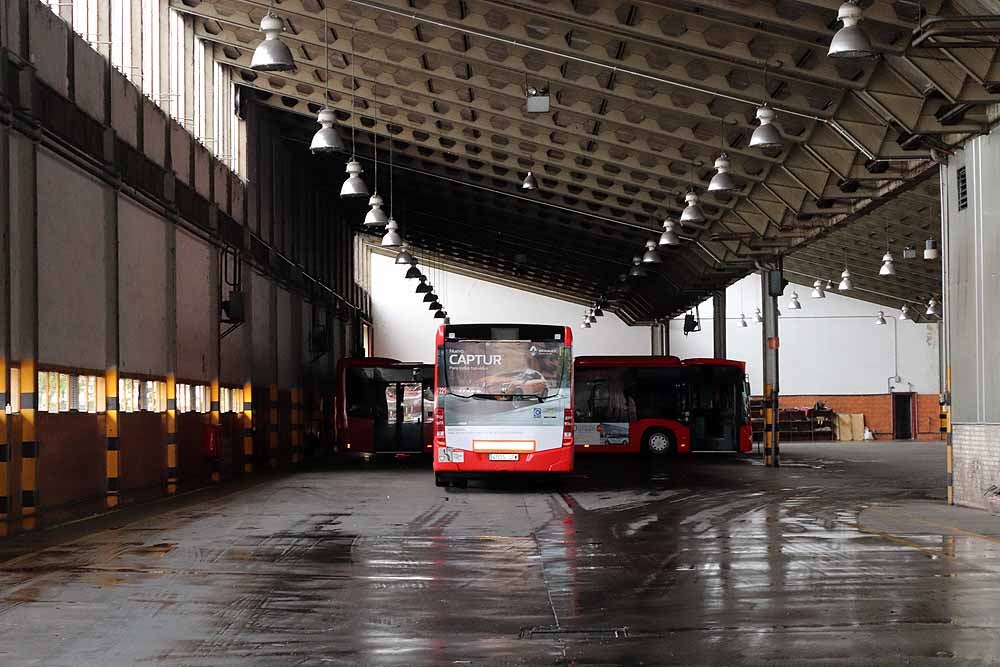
(505, 382)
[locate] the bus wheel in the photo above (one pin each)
(659, 443)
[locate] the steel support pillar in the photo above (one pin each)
(659, 339)
(719, 324)
(772, 285)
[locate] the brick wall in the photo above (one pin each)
(877, 409)
(976, 450)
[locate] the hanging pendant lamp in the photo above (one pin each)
(758, 316)
(434, 305)
(766, 135)
(326, 139)
(447, 320)
(829, 285)
(904, 313)
(272, 55)
(669, 235)
(888, 265)
(743, 321)
(845, 281)
(880, 318)
(793, 303)
(585, 324)
(850, 41)
(376, 216)
(598, 311)
(692, 212)
(354, 186)
(651, 256)
(392, 238)
(430, 297)
(423, 287)
(529, 182)
(818, 291)
(440, 315)
(637, 269)
(404, 256)
(722, 181)
(932, 308)
(931, 249)
(413, 271)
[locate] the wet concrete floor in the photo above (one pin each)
(712, 560)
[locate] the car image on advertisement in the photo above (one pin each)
(526, 382)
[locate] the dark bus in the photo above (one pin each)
(661, 405)
(384, 406)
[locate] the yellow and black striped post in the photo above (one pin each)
(215, 420)
(171, 434)
(29, 446)
(111, 434)
(296, 421)
(946, 430)
(4, 450)
(272, 427)
(769, 417)
(247, 424)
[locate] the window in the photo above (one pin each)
(963, 189)
(193, 398)
(14, 392)
(231, 399)
(69, 392)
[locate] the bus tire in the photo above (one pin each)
(658, 442)
(440, 480)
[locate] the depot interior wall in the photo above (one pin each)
(404, 328)
(830, 346)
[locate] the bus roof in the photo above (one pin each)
(485, 331)
(635, 361)
(715, 362)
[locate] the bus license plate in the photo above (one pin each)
(503, 457)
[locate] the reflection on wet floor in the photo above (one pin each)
(703, 561)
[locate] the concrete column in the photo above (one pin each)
(112, 350)
(719, 324)
(771, 288)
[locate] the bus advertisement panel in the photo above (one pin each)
(504, 399)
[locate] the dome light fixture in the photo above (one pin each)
(932, 308)
(392, 238)
(637, 269)
(354, 186)
(692, 212)
(722, 181)
(529, 182)
(413, 271)
(766, 135)
(904, 313)
(931, 249)
(888, 265)
(423, 287)
(272, 55)
(430, 297)
(326, 139)
(880, 319)
(818, 291)
(435, 305)
(376, 216)
(440, 315)
(851, 41)
(651, 256)
(845, 281)
(404, 256)
(669, 235)
(793, 303)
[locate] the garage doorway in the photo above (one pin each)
(902, 416)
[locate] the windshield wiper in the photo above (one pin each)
(505, 397)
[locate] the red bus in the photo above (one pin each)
(383, 406)
(504, 400)
(661, 405)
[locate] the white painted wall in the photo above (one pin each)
(405, 329)
(830, 346)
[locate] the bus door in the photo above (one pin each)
(403, 427)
